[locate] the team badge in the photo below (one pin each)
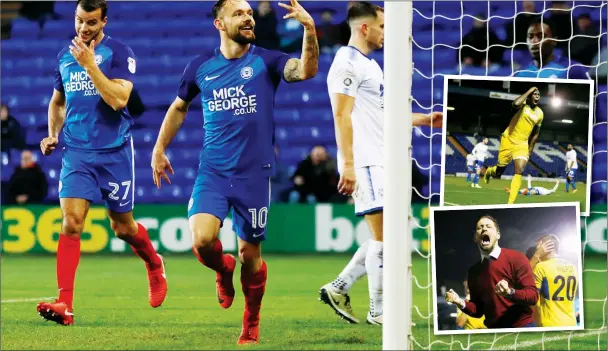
(246, 72)
(98, 59)
(131, 66)
(348, 82)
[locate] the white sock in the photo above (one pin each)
(354, 270)
(373, 263)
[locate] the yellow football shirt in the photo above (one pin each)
(522, 124)
(472, 323)
(557, 282)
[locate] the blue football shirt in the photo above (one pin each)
(560, 68)
(237, 98)
(90, 123)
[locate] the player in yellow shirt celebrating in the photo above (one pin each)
(517, 141)
(557, 282)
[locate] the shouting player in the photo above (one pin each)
(501, 283)
(518, 140)
(546, 63)
(557, 282)
(237, 86)
(480, 151)
(536, 190)
(571, 169)
(356, 87)
(93, 82)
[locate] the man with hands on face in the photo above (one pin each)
(501, 284)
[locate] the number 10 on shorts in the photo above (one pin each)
(258, 218)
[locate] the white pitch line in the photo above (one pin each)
(27, 300)
(451, 203)
(549, 339)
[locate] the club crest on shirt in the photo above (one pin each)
(131, 65)
(246, 72)
(98, 59)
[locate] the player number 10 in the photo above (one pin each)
(258, 218)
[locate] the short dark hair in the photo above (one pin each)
(490, 218)
(92, 5)
(540, 20)
(217, 7)
(362, 9)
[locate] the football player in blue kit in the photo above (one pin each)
(93, 82)
(237, 85)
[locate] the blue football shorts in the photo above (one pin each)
(89, 175)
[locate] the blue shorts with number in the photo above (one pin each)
(478, 164)
(90, 175)
(572, 173)
(247, 198)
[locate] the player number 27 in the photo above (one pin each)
(115, 188)
(258, 218)
(570, 284)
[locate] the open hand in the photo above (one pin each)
(298, 12)
(160, 166)
(84, 55)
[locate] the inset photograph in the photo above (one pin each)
(516, 140)
(506, 268)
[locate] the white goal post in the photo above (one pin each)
(397, 288)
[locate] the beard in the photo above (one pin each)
(241, 39)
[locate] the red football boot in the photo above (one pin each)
(57, 312)
(157, 284)
(224, 287)
(250, 333)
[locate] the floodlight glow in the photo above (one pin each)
(556, 102)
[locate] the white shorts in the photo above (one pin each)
(369, 190)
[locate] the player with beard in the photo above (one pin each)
(502, 285)
(518, 140)
(237, 87)
(93, 82)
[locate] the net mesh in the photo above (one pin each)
(452, 20)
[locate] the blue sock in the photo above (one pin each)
(567, 185)
(468, 177)
(476, 180)
(573, 184)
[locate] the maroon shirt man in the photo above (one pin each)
(501, 285)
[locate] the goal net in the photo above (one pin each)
(438, 32)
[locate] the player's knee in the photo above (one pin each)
(249, 254)
(124, 230)
(203, 239)
(72, 224)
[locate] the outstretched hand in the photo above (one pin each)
(298, 12)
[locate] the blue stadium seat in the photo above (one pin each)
(63, 29)
(24, 29)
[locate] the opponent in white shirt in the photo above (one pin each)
(471, 159)
(480, 151)
(571, 168)
(535, 190)
(356, 86)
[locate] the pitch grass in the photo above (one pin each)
(112, 310)
(459, 192)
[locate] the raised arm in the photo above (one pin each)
(433, 119)
(519, 102)
(115, 92)
(307, 65)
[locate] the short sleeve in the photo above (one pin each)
(58, 80)
(188, 89)
(123, 63)
(344, 80)
(275, 63)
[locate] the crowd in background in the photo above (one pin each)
(315, 178)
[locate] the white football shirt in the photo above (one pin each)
(480, 151)
(571, 157)
(354, 74)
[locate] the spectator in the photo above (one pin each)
(13, 136)
(328, 33)
(480, 39)
(315, 179)
(39, 11)
(28, 184)
(266, 35)
(280, 181)
(583, 49)
(517, 30)
(561, 16)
